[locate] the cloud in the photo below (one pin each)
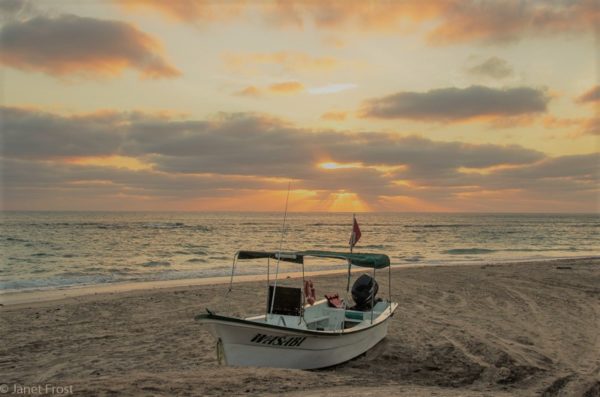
(250, 91)
(90, 47)
(552, 122)
(331, 88)
(234, 144)
(579, 127)
(458, 104)
(581, 167)
(507, 21)
(493, 67)
(62, 186)
(286, 87)
(592, 95)
(31, 133)
(334, 116)
(444, 22)
(189, 11)
(354, 14)
(252, 154)
(282, 88)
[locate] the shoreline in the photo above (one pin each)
(14, 298)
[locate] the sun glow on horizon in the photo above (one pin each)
(346, 202)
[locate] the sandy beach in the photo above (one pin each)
(521, 329)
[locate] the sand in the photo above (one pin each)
(522, 329)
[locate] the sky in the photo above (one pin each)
(195, 105)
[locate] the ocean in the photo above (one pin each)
(57, 249)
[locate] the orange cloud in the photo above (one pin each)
(579, 126)
(372, 16)
(328, 15)
(250, 91)
(447, 21)
(555, 122)
(505, 21)
(188, 11)
(69, 44)
(288, 87)
(334, 116)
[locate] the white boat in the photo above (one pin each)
(295, 334)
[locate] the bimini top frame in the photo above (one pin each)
(374, 261)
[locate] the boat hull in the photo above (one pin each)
(246, 343)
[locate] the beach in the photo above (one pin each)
(489, 329)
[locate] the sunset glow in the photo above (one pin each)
(130, 163)
(335, 166)
(359, 106)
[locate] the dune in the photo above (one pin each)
(488, 330)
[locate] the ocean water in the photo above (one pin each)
(55, 249)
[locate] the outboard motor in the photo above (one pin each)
(363, 289)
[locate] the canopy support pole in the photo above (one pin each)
(390, 286)
(373, 296)
(268, 283)
(280, 246)
(303, 296)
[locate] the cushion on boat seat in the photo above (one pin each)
(288, 301)
(333, 300)
(354, 315)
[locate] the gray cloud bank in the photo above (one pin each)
(457, 104)
(69, 44)
(247, 152)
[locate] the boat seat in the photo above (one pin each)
(354, 315)
(288, 301)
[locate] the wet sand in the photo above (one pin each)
(521, 329)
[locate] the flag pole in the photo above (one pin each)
(352, 238)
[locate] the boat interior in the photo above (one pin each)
(287, 310)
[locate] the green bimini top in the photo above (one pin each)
(376, 261)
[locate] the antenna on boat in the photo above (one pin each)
(287, 198)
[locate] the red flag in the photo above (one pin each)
(355, 236)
